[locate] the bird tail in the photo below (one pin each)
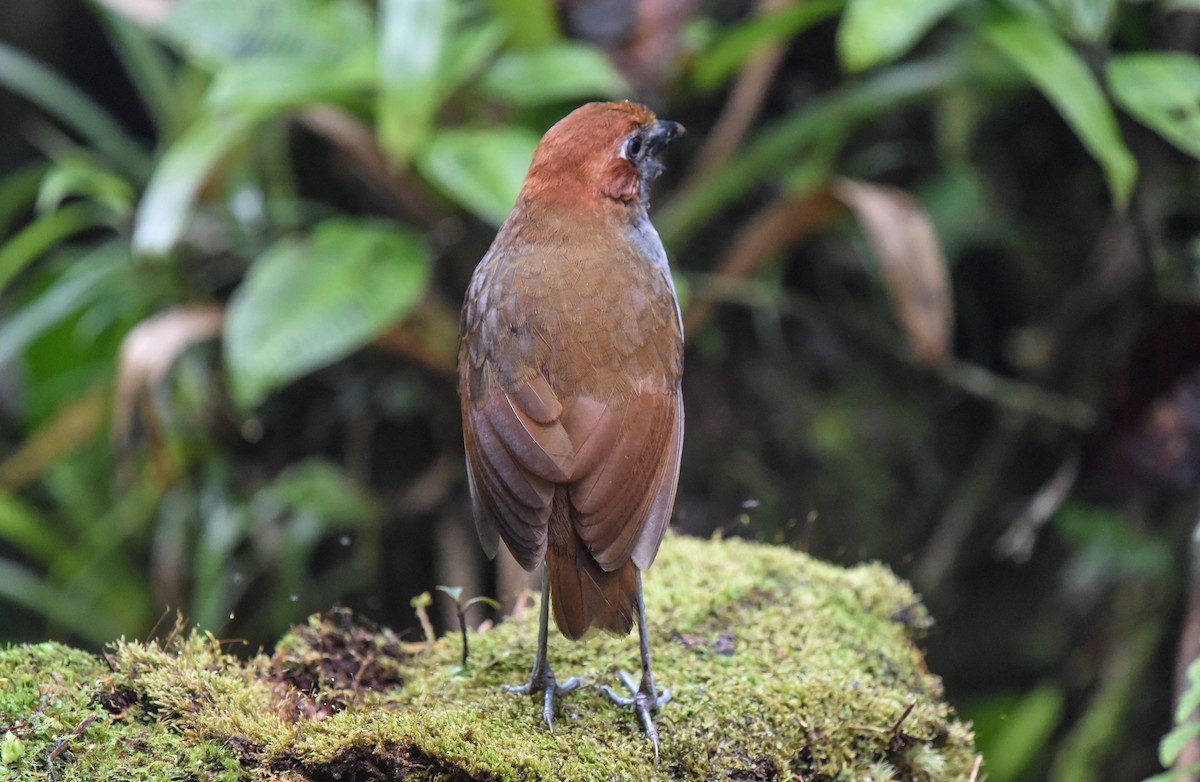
(583, 594)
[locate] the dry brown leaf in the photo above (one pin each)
(147, 354)
(914, 268)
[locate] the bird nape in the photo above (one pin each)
(569, 364)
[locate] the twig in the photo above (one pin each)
(1019, 396)
(972, 492)
(896, 728)
(1017, 541)
(975, 768)
(61, 746)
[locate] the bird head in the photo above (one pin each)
(600, 156)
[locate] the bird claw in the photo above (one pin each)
(547, 684)
(644, 701)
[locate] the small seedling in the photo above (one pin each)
(460, 607)
(419, 604)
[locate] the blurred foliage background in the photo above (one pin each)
(940, 262)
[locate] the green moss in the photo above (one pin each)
(779, 665)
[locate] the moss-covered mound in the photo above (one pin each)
(781, 666)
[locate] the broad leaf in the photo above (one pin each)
(217, 32)
(1052, 66)
(567, 71)
(1086, 20)
(532, 22)
(873, 32)
(412, 38)
(271, 85)
(468, 51)
(305, 304)
(1161, 89)
(480, 169)
(169, 200)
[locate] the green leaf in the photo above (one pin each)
(150, 69)
(42, 234)
(18, 189)
(218, 32)
(82, 282)
(304, 305)
(412, 38)
(1187, 772)
(268, 85)
(487, 601)
(79, 176)
(453, 592)
(480, 169)
(468, 51)
(1174, 742)
(167, 204)
(1189, 702)
(563, 72)
(71, 106)
(12, 748)
(531, 22)
(742, 40)
(1015, 730)
(873, 32)
(1162, 90)
(23, 529)
(1051, 65)
(1086, 20)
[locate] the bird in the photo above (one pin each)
(570, 364)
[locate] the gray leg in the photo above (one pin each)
(645, 697)
(542, 677)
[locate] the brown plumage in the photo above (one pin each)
(570, 361)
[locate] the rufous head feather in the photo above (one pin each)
(602, 155)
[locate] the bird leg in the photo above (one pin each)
(645, 698)
(542, 677)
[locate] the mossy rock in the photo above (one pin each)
(782, 667)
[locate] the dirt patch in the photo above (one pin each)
(332, 661)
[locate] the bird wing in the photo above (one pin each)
(517, 450)
(620, 458)
(625, 472)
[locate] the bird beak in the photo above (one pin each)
(661, 133)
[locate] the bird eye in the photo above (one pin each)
(633, 147)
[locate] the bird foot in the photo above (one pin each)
(544, 682)
(644, 701)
